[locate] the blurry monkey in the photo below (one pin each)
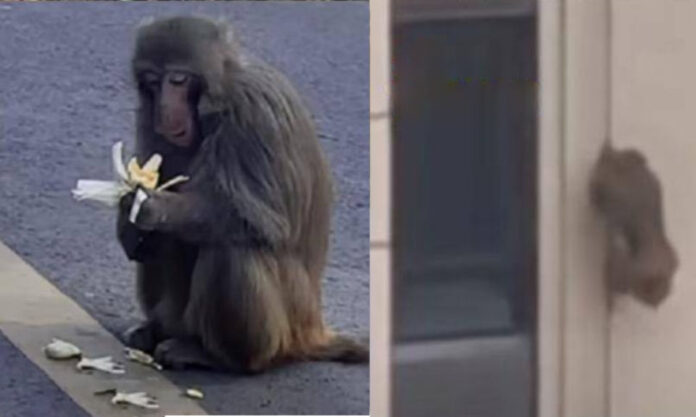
(640, 259)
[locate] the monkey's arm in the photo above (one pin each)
(198, 218)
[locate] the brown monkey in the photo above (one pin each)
(231, 262)
(640, 259)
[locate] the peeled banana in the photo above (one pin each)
(127, 179)
(146, 176)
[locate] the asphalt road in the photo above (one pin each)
(66, 97)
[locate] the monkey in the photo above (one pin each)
(229, 264)
(640, 259)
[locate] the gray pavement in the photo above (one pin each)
(65, 97)
(21, 384)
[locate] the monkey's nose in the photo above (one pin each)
(170, 123)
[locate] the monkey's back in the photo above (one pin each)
(285, 126)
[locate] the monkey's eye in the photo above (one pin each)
(151, 80)
(178, 77)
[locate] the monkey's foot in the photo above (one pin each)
(183, 353)
(142, 337)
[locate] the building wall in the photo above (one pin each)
(653, 353)
(585, 72)
(380, 218)
(573, 332)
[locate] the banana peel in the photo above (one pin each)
(129, 178)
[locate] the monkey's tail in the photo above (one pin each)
(341, 348)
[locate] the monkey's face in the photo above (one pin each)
(652, 291)
(172, 64)
(654, 269)
(172, 95)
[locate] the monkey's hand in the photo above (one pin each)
(146, 211)
(173, 212)
(124, 207)
(138, 244)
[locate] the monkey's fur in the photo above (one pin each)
(640, 259)
(232, 274)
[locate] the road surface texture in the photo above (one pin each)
(66, 97)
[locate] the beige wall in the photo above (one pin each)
(380, 191)
(574, 76)
(586, 79)
(653, 362)
(550, 265)
(635, 361)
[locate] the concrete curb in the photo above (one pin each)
(33, 311)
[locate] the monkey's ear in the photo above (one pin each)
(146, 21)
(222, 24)
(226, 32)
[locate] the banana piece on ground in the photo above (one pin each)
(194, 393)
(139, 356)
(105, 364)
(140, 399)
(60, 349)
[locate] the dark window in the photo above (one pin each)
(464, 212)
(464, 176)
